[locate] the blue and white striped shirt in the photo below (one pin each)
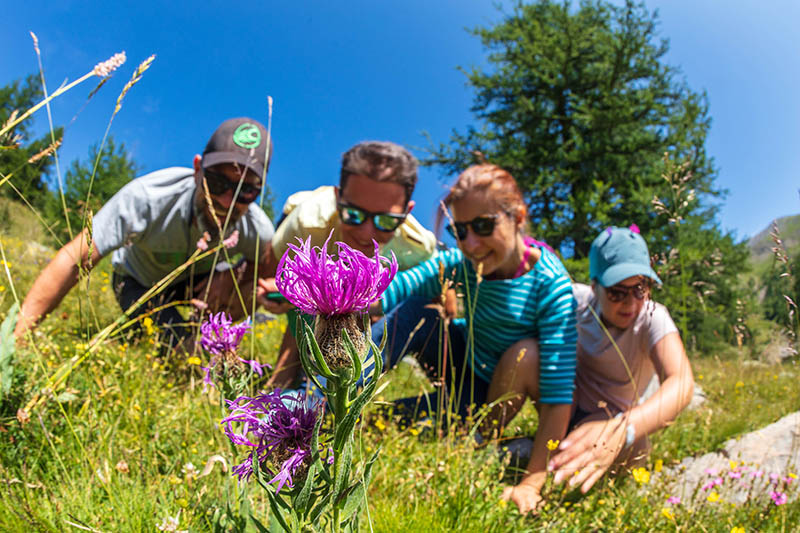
(538, 305)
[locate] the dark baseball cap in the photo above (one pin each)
(239, 140)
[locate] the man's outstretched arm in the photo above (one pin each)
(55, 281)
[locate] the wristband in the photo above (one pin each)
(630, 432)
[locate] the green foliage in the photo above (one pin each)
(701, 285)
(17, 147)
(11, 375)
(781, 288)
(89, 185)
(581, 108)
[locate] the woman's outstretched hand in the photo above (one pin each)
(588, 451)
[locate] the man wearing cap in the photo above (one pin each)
(157, 221)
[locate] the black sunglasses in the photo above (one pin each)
(618, 293)
(355, 216)
(482, 226)
(218, 184)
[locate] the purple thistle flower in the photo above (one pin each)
(319, 284)
(280, 426)
(778, 498)
(219, 335)
(222, 338)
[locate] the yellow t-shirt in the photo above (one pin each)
(314, 214)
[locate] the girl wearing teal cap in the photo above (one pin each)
(611, 420)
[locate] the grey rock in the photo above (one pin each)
(698, 398)
(764, 459)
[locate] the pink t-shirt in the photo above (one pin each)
(601, 374)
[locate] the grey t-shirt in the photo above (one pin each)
(147, 224)
(601, 373)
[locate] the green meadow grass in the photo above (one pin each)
(123, 444)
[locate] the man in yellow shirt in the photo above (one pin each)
(372, 202)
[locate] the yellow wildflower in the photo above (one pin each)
(659, 465)
(194, 360)
(733, 464)
(739, 384)
(666, 513)
(713, 497)
(380, 425)
(148, 325)
(552, 444)
(737, 529)
(641, 475)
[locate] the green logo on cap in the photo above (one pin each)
(247, 136)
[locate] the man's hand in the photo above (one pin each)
(588, 451)
(525, 495)
(221, 293)
(266, 286)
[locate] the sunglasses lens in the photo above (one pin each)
(248, 193)
(483, 226)
(352, 216)
(616, 295)
(458, 230)
(386, 222)
(216, 184)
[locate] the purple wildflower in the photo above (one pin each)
(674, 500)
(779, 498)
(711, 471)
(319, 284)
(219, 335)
(221, 338)
(735, 474)
(756, 473)
(280, 428)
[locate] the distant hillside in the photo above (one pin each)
(761, 244)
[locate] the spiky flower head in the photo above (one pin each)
(319, 283)
(221, 338)
(220, 335)
(280, 427)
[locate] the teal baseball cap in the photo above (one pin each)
(617, 254)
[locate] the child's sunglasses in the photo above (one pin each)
(355, 216)
(482, 226)
(218, 184)
(618, 293)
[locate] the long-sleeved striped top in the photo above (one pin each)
(538, 304)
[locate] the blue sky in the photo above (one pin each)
(342, 72)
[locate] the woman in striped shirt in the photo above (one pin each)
(518, 337)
